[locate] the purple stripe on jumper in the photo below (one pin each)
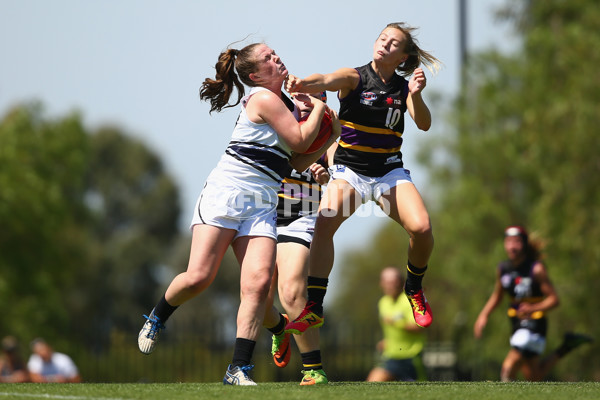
(355, 137)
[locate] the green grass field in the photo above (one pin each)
(292, 391)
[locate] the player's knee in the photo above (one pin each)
(422, 230)
(197, 281)
(258, 287)
(292, 297)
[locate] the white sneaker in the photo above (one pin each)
(148, 336)
(238, 376)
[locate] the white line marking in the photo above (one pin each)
(56, 396)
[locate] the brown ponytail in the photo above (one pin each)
(416, 56)
(218, 91)
(535, 246)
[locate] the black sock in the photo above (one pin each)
(163, 310)
(312, 360)
(278, 329)
(242, 352)
(414, 277)
(316, 292)
(570, 342)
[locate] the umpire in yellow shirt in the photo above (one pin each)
(403, 340)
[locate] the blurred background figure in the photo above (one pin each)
(403, 340)
(524, 278)
(47, 365)
(12, 366)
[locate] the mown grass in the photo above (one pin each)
(292, 391)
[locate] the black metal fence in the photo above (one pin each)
(185, 356)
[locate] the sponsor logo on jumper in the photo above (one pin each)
(389, 101)
(392, 160)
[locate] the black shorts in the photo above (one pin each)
(402, 370)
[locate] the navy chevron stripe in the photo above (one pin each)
(263, 159)
(279, 150)
(270, 174)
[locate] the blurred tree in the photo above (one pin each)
(522, 149)
(87, 224)
(42, 218)
(135, 209)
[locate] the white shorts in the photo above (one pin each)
(524, 339)
(300, 231)
(370, 188)
(233, 208)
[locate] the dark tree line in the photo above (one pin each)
(87, 221)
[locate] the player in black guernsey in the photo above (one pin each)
(368, 162)
(372, 117)
(300, 196)
(524, 278)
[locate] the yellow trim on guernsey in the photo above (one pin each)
(512, 312)
(367, 149)
(368, 129)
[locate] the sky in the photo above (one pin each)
(138, 64)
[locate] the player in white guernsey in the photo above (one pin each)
(237, 205)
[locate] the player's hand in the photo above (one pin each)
(308, 102)
(525, 310)
(417, 81)
(480, 323)
(319, 173)
(336, 126)
(293, 84)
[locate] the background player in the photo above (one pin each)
(524, 278)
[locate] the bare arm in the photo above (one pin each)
(490, 305)
(550, 296)
(417, 108)
(405, 324)
(344, 80)
(411, 326)
(37, 378)
(331, 153)
(266, 107)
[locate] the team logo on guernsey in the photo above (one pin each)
(367, 98)
(523, 287)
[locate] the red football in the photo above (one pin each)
(322, 136)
